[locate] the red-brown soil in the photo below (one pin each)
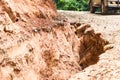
(38, 44)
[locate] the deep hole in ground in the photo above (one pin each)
(92, 45)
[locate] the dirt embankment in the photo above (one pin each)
(38, 44)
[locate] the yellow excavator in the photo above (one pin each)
(105, 5)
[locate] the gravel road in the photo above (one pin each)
(101, 22)
(108, 67)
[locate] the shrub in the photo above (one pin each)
(78, 5)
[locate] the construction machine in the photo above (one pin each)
(105, 5)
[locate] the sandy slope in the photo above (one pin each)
(38, 44)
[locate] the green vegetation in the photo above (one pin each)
(78, 5)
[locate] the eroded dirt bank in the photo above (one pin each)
(38, 44)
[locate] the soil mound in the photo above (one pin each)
(37, 44)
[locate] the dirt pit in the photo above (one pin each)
(38, 44)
